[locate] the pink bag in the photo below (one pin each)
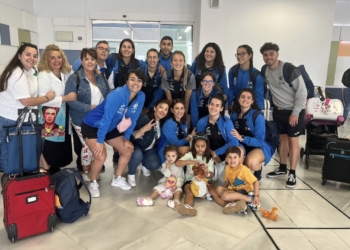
(124, 124)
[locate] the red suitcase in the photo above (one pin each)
(29, 202)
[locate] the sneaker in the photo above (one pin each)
(172, 203)
(252, 204)
(131, 180)
(291, 181)
(94, 191)
(120, 182)
(235, 207)
(144, 202)
(258, 176)
(145, 171)
(86, 176)
(277, 172)
(218, 170)
(185, 209)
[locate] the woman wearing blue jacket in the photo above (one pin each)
(244, 75)
(113, 122)
(202, 96)
(210, 59)
(174, 130)
(218, 128)
(250, 131)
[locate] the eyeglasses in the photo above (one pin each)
(103, 49)
(241, 54)
(208, 82)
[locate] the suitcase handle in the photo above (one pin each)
(320, 93)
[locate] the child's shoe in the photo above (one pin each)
(144, 202)
(208, 196)
(251, 204)
(185, 209)
(235, 207)
(172, 203)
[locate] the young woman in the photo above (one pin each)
(244, 75)
(210, 59)
(174, 131)
(113, 122)
(152, 86)
(19, 86)
(251, 132)
(218, 128)
(54, 71)
(145, 139)
(178, 82)
(91, 89)
(202, 96)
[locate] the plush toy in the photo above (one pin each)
(199, 185)
(170, 182)
(270, 215)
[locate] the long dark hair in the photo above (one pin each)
(236, 108)
(15, 62)
(151, 113)
(132, 58)
(249, 52)
(218, 62)
(176, 101)
(222, 99)
(203, 137)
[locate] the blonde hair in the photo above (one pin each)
(185, 70)
(43, 63)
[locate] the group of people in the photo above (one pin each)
(160, 114)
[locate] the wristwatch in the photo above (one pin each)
(242, 138)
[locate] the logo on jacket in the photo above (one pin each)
(134, 108)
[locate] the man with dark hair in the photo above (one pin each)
(288, 113)
(166, 46)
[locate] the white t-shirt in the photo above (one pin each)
(96, 96)
(20, 85)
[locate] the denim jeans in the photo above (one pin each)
(149, 159)
(5, 122)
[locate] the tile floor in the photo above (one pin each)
(312, 216)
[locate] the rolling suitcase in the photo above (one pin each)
(29, 201)
(336, 165)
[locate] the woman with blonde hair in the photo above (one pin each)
(54, 71)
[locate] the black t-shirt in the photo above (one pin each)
(149, 88)
(202, 107)
(216, 139)
(243, 129)
(120, 77)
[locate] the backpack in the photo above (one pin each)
(346, 78)
(72, 206)
(271, 136)
(288, 68)
(253, 76)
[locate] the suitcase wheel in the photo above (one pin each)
(324, 181)
(302, 152)
(13, 239)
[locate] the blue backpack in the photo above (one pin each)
(271, 136)
(67, 189)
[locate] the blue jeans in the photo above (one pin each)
(149, 159)
(5, 122)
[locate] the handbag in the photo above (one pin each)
(21, 145)
(124, 124)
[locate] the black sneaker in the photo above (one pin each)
(291, 182)
(277, 172)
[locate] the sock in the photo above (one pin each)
(283, 166)
(292, 172)
(257, 174)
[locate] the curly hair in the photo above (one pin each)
(43, 63)
(218, 61)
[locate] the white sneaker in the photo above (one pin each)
(86, 176)
(131, 180)
(121, 182)
(218, 168)
(145, 171)
(94, 191)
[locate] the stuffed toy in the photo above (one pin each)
(199, 185)
(170, 182)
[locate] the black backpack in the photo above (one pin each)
(67, 189)
(346, 78)
(271, 136)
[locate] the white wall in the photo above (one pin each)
(342, 10)
(302, 29)
(24, 5)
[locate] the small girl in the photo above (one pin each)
(168, 169)
(200, 153)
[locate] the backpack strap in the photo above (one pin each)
(80, 178)
(263, 70)
(288, 69)
(255, 115)
(235, 70)
(198, 92)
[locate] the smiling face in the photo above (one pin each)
(55, 60)
(178, 111)
(28, 58)
(152, 59)
(161, 110)
(126, 49)
(208, 83)
(102, 51)
(233, 159)
(171, 157)
(166, 46)
(271, 58)
(88, 62)
(178, 62)
(242, 56)
(245, 100)
(134, 83)
(210, 54)
(215, 107)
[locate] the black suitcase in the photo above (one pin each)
(336, 165)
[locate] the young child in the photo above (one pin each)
(239, 185)
(168, 169)
(200, 153)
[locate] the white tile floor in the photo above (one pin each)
(311, 216)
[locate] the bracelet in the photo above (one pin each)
(256, 195)
(47, 98)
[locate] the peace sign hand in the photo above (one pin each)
(148, 126)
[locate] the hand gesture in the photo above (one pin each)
(193, 132)
(148, 126)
